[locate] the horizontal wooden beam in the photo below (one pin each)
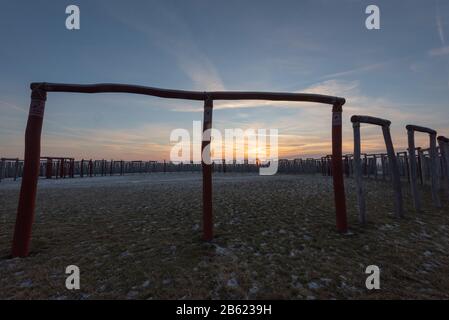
(371, 120)
(189, 95)
(420, 129)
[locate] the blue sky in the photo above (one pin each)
(400, 72)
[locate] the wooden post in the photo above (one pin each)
(72, 168)
(394, 172)
(82, 168)
(412, 166)
(444, 149)
(358, 173)
(433, 173)
(207, 171)
(49, 168)
(384, 169)
(61, 168)
(420, 164)
(16, 169)
(27, 198)
(2, 168)
(337, 168)
(91, 168)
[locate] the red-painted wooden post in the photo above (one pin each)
(27, 198)
(207, 171)
(337, 168)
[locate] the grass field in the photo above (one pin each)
(139, 237)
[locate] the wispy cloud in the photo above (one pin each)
(439, 51)
(354, 71)
(174, 37)
(439, 24)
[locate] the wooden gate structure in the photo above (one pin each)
(394, 169)
(25, 211)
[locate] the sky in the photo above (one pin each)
(399, 72)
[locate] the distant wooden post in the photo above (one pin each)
(72, 168)
(82, 168)
(16, 169)
(2, 168)
(91, 168)
(433, 164)
(62, 168)
(49, 168)
(394, 168)
(111, 168)
(444, 149)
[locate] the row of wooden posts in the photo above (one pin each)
(65, 167)
(419, 166)
(374, 165)
(436, 164)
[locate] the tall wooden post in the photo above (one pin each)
(412, 166)
(337, 168)
(394, 172)
(435, 186)
(207, 171)
(2, 168)
(444, 149)
(27, 198)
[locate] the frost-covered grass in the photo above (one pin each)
(139, 237)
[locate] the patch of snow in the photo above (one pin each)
(232, 283)
(313, 285)
(26, 284)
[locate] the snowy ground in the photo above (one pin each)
(139, 237)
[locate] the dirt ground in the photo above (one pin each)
(139, 237)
